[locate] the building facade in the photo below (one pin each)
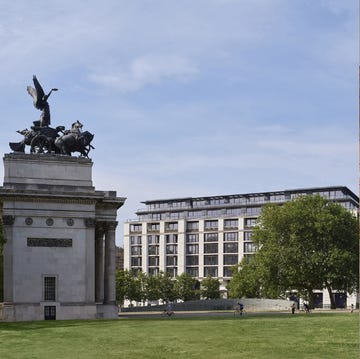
(206, 235)
(59, 255)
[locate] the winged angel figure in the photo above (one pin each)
(40, 102)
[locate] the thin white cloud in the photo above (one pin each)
(147, 70)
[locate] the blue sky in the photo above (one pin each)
(191, 97)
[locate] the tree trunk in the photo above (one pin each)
(332, 298)
(311, 298)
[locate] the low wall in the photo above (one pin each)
(251, 305)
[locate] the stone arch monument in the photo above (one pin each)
(59, 257)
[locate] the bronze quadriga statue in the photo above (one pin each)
(44, 139)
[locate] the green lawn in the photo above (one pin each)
(318, 335)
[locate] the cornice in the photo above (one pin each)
(46, 157)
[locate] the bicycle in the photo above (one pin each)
(167, 313)
(239, 310)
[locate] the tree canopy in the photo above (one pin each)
(210, 288)
(306, 244)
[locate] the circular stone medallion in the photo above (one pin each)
(49, 221)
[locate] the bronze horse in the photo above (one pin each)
(71, 142)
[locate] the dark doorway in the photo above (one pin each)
(318, 300)
(50, 312)
(340, 300)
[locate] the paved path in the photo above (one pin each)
(183, 314)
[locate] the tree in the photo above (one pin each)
(185, 287)
(121, 281)
(245, 281)
(210, 288)
(152, 287)
(306, 244)
(167, 288)
(129, 286)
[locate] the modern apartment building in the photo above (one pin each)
(205, 235)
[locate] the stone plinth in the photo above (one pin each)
(51, 212)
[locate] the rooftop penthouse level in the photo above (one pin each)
(248, 204)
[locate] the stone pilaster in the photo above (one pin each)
(99, 263)
(109, 265)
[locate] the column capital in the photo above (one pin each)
(110, 225)
(89, 222)
(8, 220)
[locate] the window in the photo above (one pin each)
(200, 203)
(171, 249)
(277, 197)
(213, 271)
(153, 261)
(210, 237)
(192, 226)
(172, 271)
(227, 272)
(192, 260)
(135, 239)
(171, 226)
(247, 236)
(153, 250)
(230, 247)
(193, 271)
(135, 227)
(253, 211)
(250, 222)
(171, 260)
(195, 214)
(192, 238)
(156, 216)
(249, 247)
(214, 213)
(50, 289)
(136, 261)
(216, 201)
(211, 225)
(175, 215)
(153, 239)
(211, 260)
(136, 250)
(210, 248)
(231, 259)
(230, 236)
(153, 271)
(153, 227)
(171, 238)
(235, 211)
(231, 223)
(192, 249)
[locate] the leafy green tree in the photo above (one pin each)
(185, 287)
(152, 287)
(306, 244)
(120, 279)
(129, 286)
(210, 288)
(245, 281)
(167, 288)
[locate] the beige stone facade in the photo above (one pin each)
(59, 258)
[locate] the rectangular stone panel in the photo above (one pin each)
(49, 242)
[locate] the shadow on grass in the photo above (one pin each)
(38, 325)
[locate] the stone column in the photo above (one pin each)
(99, 263)
(109, 268)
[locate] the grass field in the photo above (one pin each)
(314, 336)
